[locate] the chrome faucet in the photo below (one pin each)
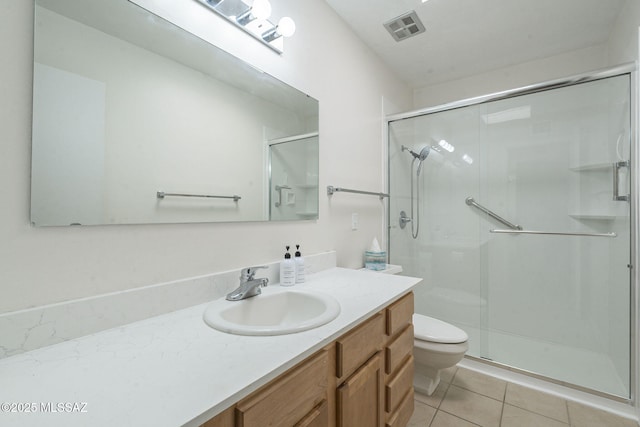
(249, 285)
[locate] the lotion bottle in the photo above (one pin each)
(287, 270)
(299, 263)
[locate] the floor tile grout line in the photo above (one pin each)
(566, 405)
(455, 416)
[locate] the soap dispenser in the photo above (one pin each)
(287, 270)
(299, 263)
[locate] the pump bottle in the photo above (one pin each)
(287, 270)
(299, 263)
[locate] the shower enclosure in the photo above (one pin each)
(525, 237)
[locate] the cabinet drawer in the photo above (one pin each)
(399, 314)
(289, 399)
(318, 417)
(398, 386)
(401, 417)
(354, 348)
(398, 349)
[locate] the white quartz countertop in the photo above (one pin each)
(174, 370)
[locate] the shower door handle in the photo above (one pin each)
(616, 181)
(279, 189)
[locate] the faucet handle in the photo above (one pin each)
(248, 273)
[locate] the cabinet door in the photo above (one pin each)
(359, 399)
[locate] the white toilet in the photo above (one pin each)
(437, 345)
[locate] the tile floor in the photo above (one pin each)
(466, 398)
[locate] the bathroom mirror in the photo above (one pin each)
(137, 121)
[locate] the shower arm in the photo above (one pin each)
(470, 202)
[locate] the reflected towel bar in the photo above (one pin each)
(469, 201)
(553, 233)
(162, 195)
(331, 189)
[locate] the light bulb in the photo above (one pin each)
(261, 9)
(286, 27)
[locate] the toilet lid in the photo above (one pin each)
(429, 329)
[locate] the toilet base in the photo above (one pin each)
(426, 380)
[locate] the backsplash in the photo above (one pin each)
(25, 330)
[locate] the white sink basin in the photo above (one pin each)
(273, 313)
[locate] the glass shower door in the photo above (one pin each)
(559, 288)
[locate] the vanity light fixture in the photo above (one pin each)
(252, 17)
(285, 28)
(260, 9)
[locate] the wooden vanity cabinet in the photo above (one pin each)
(363, 379)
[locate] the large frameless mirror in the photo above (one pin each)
(137, 121)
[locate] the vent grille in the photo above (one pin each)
(405, 26)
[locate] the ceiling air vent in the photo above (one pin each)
(404, 26)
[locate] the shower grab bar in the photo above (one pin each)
(470, 202)
(331, 189)
(554, 233)
(162, 195)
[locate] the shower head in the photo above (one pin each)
(421, 155)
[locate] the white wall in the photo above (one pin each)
(324, 59)
(622, 47)
(516, 76)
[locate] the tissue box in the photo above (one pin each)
(375, 260)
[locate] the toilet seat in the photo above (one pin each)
(436, 331)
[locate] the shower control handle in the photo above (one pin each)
(404, 219)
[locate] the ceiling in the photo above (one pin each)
(469, 37)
